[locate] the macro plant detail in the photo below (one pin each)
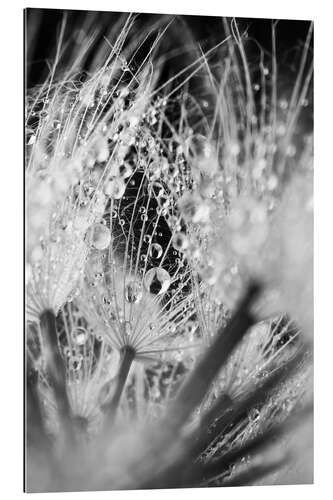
(169, 235)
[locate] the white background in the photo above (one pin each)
(11, 242)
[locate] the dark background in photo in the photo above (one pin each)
(43, 28)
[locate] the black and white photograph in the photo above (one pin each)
(169, 234)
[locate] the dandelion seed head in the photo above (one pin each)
(147, 210)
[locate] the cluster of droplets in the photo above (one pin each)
(56, 267)
(88, 146)
(223, 217)
(77, 143)
(91, 368)
(139, 287)
(153, 226)
(77, 138)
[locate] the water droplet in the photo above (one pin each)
(56, 124)
(133, 292)
(80, 336)
(75, 363)
(157, 280)
(125, 170)
(291, 150)
(67, 352)
(127, 329)
(180, 242)
(272, 182)
(194, 209)
(283, 104)
(101, 237)
(115, 188)
(156, 251)
(190, 328)
(234, 149)
(155, 171)
(158, 189)
(32, 140)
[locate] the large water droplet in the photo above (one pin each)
(133, 292)
(180, 241)
(115, 188)
(157, 280)
(101, 237)
(80, 336)
(156, 251)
